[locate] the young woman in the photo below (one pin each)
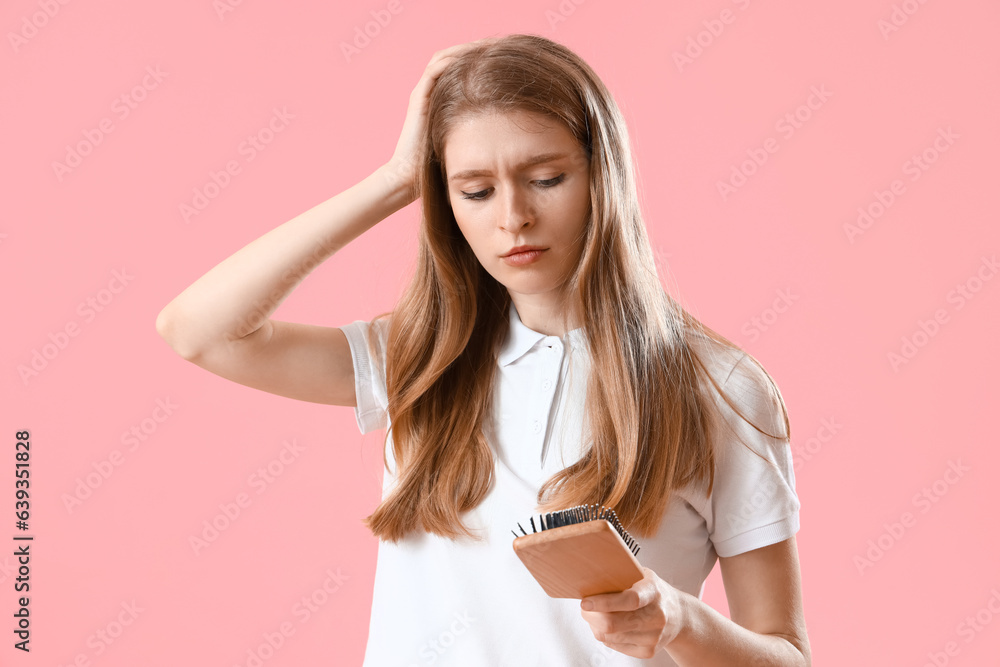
(535, 363)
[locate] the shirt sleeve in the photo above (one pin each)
(753, 502)
(369, 374)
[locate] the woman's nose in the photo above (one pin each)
(516, 210)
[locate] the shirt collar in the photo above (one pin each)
(520, 339)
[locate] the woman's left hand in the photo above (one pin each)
(639, 621)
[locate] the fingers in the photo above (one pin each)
(608, 602)
(628, 600)
(409, 145)
(440, 61)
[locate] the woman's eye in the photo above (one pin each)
(474, 195)
(548, 183)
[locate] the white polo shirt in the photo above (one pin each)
(474, 604)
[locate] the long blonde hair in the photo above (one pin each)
(652, 425)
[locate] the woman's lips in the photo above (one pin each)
(523, 258)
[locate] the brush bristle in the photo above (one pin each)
(579, 514)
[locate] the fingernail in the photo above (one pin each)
(588, 605)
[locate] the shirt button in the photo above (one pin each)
(537, 426)
(546, 385)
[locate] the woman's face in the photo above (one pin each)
(520, 179)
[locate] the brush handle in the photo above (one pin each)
(578, 560)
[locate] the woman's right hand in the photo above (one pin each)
(407, 160)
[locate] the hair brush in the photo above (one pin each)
(579, 551)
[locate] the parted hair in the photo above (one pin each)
(652, 418)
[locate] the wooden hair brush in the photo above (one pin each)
(578, 552)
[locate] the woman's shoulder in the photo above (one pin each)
(719, 358)
(369, 343)
(743, 379)
(376, 330)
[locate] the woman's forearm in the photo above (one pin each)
(709, 639)
(238, 295)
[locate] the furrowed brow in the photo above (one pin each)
(530, 162)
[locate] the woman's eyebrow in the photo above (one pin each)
(530, 162)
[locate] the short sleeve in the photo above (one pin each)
(369, 374)
(753, 502)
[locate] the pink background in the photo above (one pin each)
(890, 576)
